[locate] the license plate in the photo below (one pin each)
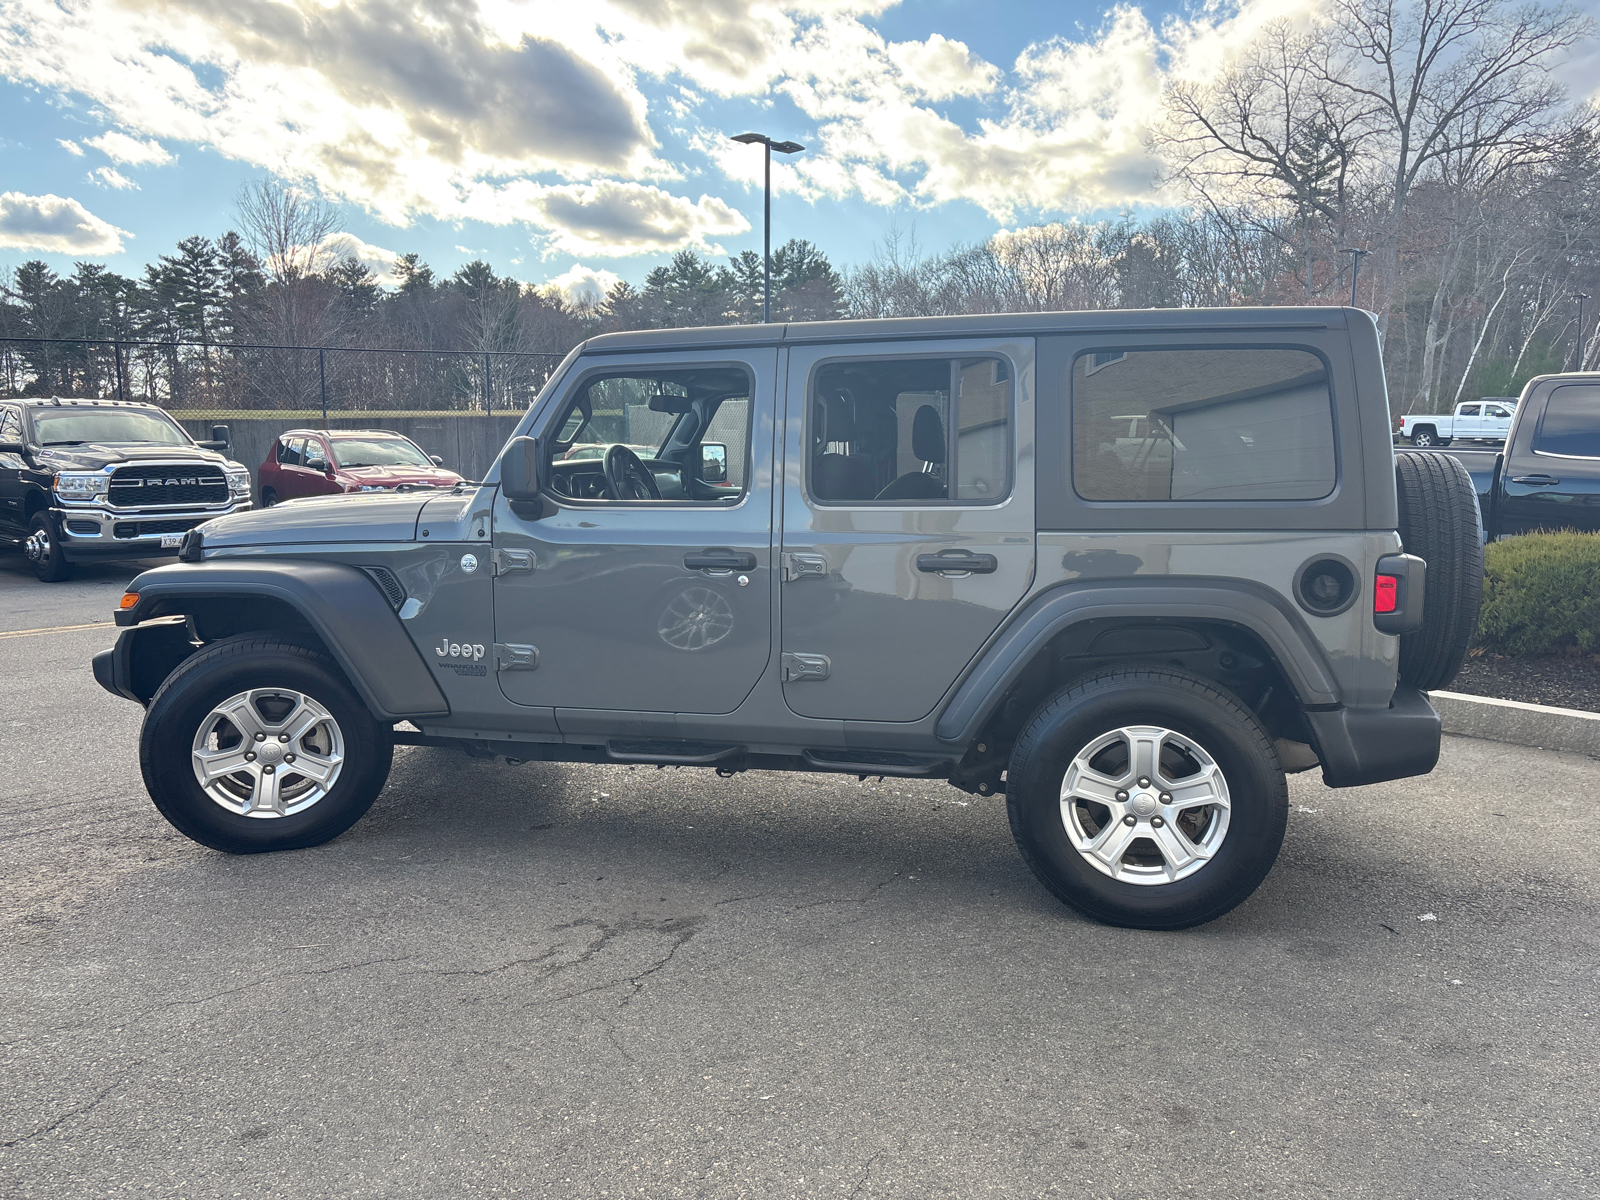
(171, 541)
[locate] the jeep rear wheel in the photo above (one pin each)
(257, 743)
(1147, 798)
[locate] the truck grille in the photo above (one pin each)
(146, 487)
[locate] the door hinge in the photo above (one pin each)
(507, 561)
(798, 566)
(805, 666)
(515, 656)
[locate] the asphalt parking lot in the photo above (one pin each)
(581, 981)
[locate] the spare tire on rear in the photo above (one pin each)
(1440, 523)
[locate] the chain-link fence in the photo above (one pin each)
(226, 381)
(459, 405)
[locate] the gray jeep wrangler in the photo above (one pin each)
(1126, 568)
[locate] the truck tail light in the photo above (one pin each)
(1386, 594)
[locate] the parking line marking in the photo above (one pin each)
(16, 633)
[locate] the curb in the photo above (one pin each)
(1520, 724)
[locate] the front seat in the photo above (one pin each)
(927, 443)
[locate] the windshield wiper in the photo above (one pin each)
(78, 442)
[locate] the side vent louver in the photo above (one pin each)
(388, 584)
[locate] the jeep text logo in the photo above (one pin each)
(449, 649)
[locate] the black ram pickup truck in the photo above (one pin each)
(1548, 474)
(94, 479)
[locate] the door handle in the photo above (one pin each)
(958, 560)
(720, 558)
(1535, 480)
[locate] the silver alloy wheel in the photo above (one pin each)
(268, 752)
(1145, 805)
(37, 547)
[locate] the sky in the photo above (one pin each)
(571, 144)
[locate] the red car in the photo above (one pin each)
(325, 462)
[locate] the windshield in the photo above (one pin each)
(70, 427)
(378, 452)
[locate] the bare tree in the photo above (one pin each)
(290, 233)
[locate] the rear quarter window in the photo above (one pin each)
(1201, 425)
(1570, 425)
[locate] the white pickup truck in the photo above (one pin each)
(1485, 420)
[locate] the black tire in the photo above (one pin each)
(1440, 523)
(1424, 437)
(51, 565)
(269, 497)
(1195, 709)
(238, 665)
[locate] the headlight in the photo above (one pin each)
(82, 485)
(238, 482)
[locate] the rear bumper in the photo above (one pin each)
(1371, 745)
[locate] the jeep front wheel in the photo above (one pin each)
(257, 743)
(1147, 798)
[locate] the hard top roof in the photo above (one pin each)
(985, 325)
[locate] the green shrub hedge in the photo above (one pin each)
(1541, 594)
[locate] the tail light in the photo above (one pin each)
(1386, 594)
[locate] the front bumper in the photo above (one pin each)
(84, 532)
(1372, 745)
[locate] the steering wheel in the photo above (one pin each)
(627, 478)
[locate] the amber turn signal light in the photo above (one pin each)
(129, 599)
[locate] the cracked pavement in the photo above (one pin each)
(582, 981)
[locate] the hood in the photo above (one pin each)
(353, 517)
(390, 476)
(92, 456)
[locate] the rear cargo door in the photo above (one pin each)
(908, 519)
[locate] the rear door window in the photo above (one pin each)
(1570, 426)
(290, 451)
(1202, 425)
(911, 431)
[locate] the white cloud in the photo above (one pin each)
(70, 147)
(112, 178)
(55, 224)
(940, 68)
(611, 218)
(380, 261)
(579, 284)
(119, 147)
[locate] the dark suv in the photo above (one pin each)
(1127, 568)
(90, 479)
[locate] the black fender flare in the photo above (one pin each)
(341, 603)
(1232, 602)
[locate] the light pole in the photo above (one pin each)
(1355, 268)
(1577, 351)
(751, 139)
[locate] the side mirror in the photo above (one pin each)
(11, 447)
(219, 439)
(713, 462)
(436, 460)
(520, 476)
